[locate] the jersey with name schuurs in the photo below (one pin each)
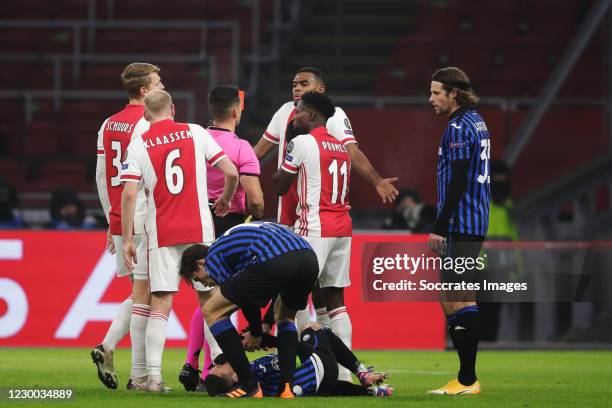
(114, 137)
(171, 160)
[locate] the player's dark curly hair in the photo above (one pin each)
(318, 74)
(319, 102)
(192, 254)
(216, 385)
(454, 78)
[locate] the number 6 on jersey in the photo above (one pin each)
(172, 171)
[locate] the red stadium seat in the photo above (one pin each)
(13, 171)
(42, 139)
(58, 174)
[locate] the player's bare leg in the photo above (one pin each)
(340, 323)
(155, 339)
(103, 354)
(138, 326)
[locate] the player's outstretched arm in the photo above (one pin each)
(255, 197)
(384, 186)
(223, 203)
(263, 147)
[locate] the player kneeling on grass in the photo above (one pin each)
(320, 351)
(253, 264)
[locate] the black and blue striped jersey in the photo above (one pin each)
(466, 138)
(306, 378)
(249, 244)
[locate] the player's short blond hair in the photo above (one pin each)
(157, 101)
(136, 75)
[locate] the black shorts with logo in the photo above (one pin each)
(291, 275)
(463, 250)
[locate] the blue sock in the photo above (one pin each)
(228, 339)
(287, 350)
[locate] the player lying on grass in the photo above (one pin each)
(253, 264)
(320, 351)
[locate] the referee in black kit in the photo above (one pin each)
(463, 184)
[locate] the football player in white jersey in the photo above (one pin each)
(280, 131)
(170, 159)
(113, 138)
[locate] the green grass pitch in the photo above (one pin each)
(508, 378)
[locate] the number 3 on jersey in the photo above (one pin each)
(116, 148)
(174, 173)
(485, 156)
(333, 170)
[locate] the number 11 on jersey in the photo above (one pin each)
(333, 170)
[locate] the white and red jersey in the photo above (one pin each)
(113, 139)
(170, 159)
(338, 126)
(323, 166)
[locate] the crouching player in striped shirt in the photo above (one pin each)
(254, 264)
(320, 351)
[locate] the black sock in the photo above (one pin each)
(344, 356)
(287, 350)
(451, 319)
(466, 333)
(347, 389)
(228, 339)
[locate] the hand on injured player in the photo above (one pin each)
(251, 343)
